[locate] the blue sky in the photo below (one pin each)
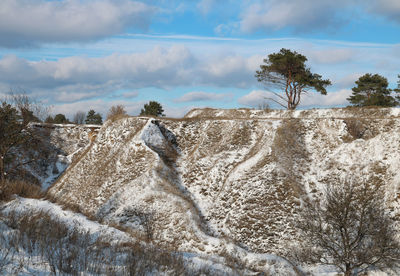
(77, 55)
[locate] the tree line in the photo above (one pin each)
(152, 108)
(18, 140)
(287, 72)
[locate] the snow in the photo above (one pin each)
(72, 220)
(228, 186)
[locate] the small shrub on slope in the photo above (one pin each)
(349, 229)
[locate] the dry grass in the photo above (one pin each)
(70, 251)
(20, 188)
(116, 117)
(288, 148)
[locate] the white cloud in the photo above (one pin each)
(272, 15)
(387, 8)
(99, 105)
(336, 98)
(27, 22)
(235, 70)
(203, 96)
(255, 98)
(130, 95)
(331, 56)
(77, 78)
(348, 80)
(311, 99)
(205, 6)
(177, 112)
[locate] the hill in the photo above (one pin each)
(223, 179)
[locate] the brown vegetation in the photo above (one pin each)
(116, 112)
(20, 188)
(349, 229)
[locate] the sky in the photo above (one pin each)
(76, 55)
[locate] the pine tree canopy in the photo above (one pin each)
(372, 90)
(287, 71)
(153, 108)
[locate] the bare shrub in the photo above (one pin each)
(145, 218)
(116, 112)
(349, 228)
(355, 127)
(264, 106)
(68, 250)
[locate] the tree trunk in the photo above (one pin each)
(2, 177)
(348, 270)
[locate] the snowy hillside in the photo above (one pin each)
(60, 145)
(221, 182)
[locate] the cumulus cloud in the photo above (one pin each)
(102, 106)
(177, 112)
(233, 69)
(130, 95)
(336, 98)
(255, 98)
(205, 6)
(203, 96)
(311, 99)
(272, 15)
(77, 78)
(331, 56)
(387, 8)
(99, 105)
(348, 80)
(30, 22)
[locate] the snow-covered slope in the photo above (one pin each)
(219, 181)
(60, 145)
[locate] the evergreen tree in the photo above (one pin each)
(372, 90)
(398, 89)
(287, 71)
(13, 133)
(49, 120)
(153, 109)
(93, 118)
(60, 119)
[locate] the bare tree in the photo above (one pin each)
(116, 112)
(29, 109)
(350, 229)
(79, 117)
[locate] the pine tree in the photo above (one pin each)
(93, 118)
(372, 90)
(60, 119)
(287, 71)
(153, 109)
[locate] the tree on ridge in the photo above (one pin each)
(93, 118)
(287, 71)
(372, 90)
(152, 108)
